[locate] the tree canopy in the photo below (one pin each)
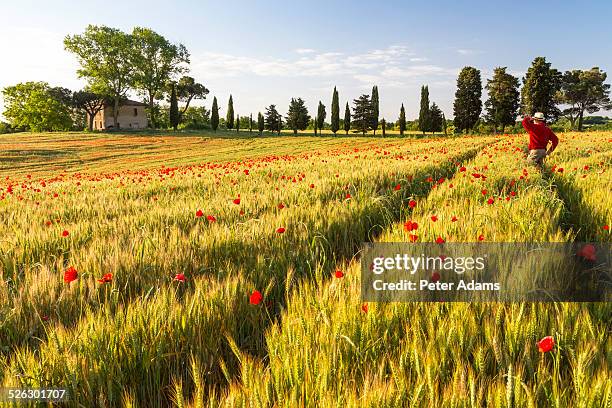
(468, 105)
(297, 117)
(540, 87)
(503, 101)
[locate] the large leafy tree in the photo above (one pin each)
(375, 108)
(156, 61)
(89, 102)
(362, 113)
(106, 56)
(347, 118)
(297, 116)
(229, 117)
(402, 120)
(503, 102)
(321, 114)
(214, 115)
(468, 105)
(187, 90)
(273, 119)
(37, 107)
(541, 85)
(584, 90)
(335, 112)
(424, 111)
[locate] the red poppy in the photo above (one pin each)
(107, 278)
(513, 193)
(453, 219)
(440, 240)
(348, 196)
(546, 344)
(48, 223)
(434, 218)
(236, 201)
(410, 226)
(462, 168)
(490, 201)
(199, 213)
(587, 252)
(412, 204)
(281, 206)
(481, 237)
(397, 187)
(606, 227)
(65, 233)
(179, 277)
(70, 275)
(339, 274)
(560, 169)
(280, 230)
(211, 218)
(484, 192)
(364, 308)
(312, 186)
(413, 238)
(435, 277)
(255, 298)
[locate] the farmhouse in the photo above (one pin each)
(132, 115)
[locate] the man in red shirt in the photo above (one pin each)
(539, 136)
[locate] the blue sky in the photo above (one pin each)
(269, 51)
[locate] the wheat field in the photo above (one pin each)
(194, 270)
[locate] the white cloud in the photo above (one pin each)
(304, 50)
(467, 51)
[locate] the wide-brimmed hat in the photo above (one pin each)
(538, 116)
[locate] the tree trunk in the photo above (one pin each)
(580, 118)
(116, 112)
(153, 124)
(91, 120)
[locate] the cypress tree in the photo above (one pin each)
(251, 123)
(237, 123)
(174, 112)
(402, 120)
(335, 112)
(260, 123)
(347, 119)
(375, 108)
(467, 106)
(424, 111)
(383, 124)
(314, 122)
(321, 116)
(229, 118)
(214, 115)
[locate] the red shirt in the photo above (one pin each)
(539, 135)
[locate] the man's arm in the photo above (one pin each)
(527, 123)
(554, 140)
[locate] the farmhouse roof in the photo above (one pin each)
(125, 102)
